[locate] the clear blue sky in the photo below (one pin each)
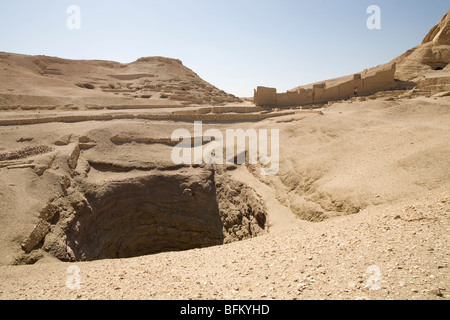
(234, 44)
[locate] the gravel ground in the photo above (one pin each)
(403, 248)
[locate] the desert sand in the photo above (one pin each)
(87, 180)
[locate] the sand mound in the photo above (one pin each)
(335, 164)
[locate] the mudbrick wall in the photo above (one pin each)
(365, 83)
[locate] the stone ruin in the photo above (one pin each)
(370, 81)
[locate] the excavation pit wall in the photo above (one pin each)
(159, 212)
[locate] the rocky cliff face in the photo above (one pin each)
(430, 59)
(440, 34)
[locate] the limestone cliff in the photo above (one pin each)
(440, 34)
(429, 59)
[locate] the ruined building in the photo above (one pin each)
(368, 82)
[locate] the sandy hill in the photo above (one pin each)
(27, 81)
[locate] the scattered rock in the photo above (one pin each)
(84, 139)
(437, 292)
(89, 86)
(25, 139)
(72, 161)
(39, 232)
(86, 146)
(64, 140)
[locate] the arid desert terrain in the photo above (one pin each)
(358, 208)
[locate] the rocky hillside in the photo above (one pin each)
(425, 67)
(55, 82)
(428, 63)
